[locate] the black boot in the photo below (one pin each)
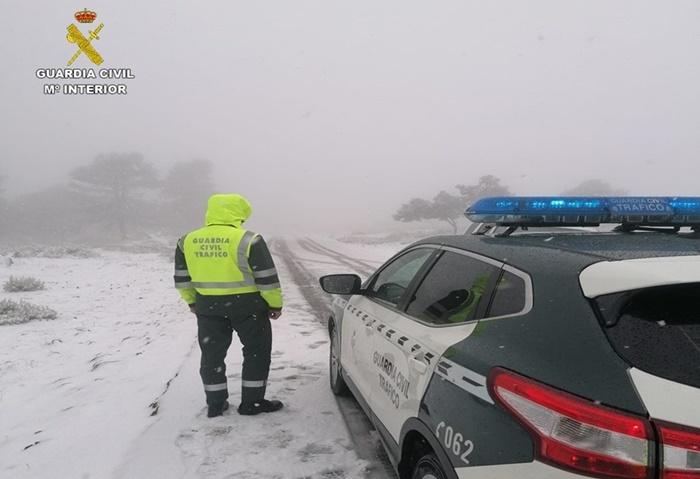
(251, 409)
(217, 409)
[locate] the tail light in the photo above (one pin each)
(575, 434)
(681, 450)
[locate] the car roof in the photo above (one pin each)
(571, 251)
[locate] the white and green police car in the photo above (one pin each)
(536, 354)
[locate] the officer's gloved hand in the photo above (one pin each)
(275, 313)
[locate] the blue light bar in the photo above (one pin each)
(586, 211)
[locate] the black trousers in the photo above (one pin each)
(217, 318)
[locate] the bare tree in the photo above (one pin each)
(444, 207)
(448, 207)
(417, 209)
(115, 184)
(487, 185)
(594, 187)
(185, 190)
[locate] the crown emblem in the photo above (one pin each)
(86, 16)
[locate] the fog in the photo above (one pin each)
(329, 115)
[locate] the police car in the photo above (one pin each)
(516, 351)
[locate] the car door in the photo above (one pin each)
(442, 310)
(364, 312)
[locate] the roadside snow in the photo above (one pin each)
(75, 392)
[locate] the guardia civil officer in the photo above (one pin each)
(227, 277)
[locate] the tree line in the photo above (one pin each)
(450, 206)
(119, 196)
(116, 196)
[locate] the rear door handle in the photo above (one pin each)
(419, 366)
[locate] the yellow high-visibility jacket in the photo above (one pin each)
(222, 258)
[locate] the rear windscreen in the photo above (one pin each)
(657, 330)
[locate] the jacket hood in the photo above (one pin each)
(227, 210)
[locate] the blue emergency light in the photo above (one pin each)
(586, 211)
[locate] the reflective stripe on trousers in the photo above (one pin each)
(254, 384)
(253, 391)
(216, 387)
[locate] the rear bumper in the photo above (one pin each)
(530, 470)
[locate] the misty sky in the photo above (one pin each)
(341, 110)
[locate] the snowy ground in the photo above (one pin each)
(78, 394)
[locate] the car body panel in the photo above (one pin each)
(405, 355)
(607, 277)
(561, 329)
(486, 434)
(668, 400)
(356, 345)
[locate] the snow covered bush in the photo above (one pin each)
(23, 283)
(13, 312)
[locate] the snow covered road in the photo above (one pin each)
(77, 394)
(306, 272)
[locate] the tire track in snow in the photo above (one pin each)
(354, 264)
(305, 281)
(365, 264)
(364, 437)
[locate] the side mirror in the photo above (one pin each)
(341, 283)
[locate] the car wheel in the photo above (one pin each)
(428, 467)
(338, 385)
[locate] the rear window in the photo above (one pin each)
(657, 330)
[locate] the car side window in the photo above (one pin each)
(452, 290)
(509, 297)
(392, 281)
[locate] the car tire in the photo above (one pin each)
(338, 385)
(428, 467)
